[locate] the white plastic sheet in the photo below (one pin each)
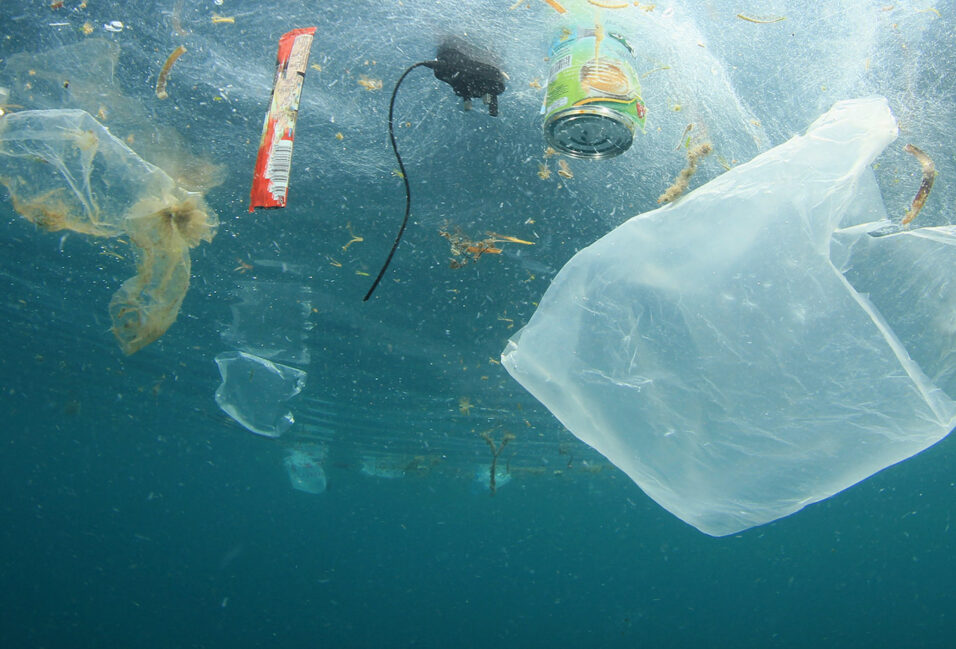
(752, 349)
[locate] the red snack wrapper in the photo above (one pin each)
(270, 182)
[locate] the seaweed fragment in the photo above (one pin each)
(929, 176)
(496, 450)
(761, 20)
(463, 247)
(682, 182)
(164, 72)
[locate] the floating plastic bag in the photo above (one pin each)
(65, 171)
(737, 354)
(254, 391)
(304, 466)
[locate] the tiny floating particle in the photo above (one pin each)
(684, 138)
(761, 20)
(543, 172)
(564, 170)
(554, 4)
(354, 238)
(370, 84)
(608, 5)
(216, 19)
(506, 237)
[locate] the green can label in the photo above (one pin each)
(593, 103)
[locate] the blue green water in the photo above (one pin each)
(153, 526)
(135, 513)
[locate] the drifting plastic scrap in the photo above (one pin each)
(304, 466)
(254, 391)
(66, 171)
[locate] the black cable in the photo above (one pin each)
(401, 167)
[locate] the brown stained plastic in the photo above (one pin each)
(65, 171)
(147, 304)
(82, 166)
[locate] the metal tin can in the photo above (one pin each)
(593, 103)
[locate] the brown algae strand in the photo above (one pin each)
(164, 73)
(929, 175)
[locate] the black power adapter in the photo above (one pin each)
(467, 76)
(470, 78)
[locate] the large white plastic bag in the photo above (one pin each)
(713, 351)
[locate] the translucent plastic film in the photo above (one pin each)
(65, 171)
(752, 348)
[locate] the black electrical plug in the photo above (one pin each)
(467, 76)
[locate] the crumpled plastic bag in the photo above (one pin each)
(751, 348)
(254, 391)
(65, 171)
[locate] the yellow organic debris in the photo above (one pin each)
(370, 84)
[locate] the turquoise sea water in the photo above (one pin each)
(154, 530)
(135, 513)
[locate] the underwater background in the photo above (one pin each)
(137, 513)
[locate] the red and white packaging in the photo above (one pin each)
(270, 182)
